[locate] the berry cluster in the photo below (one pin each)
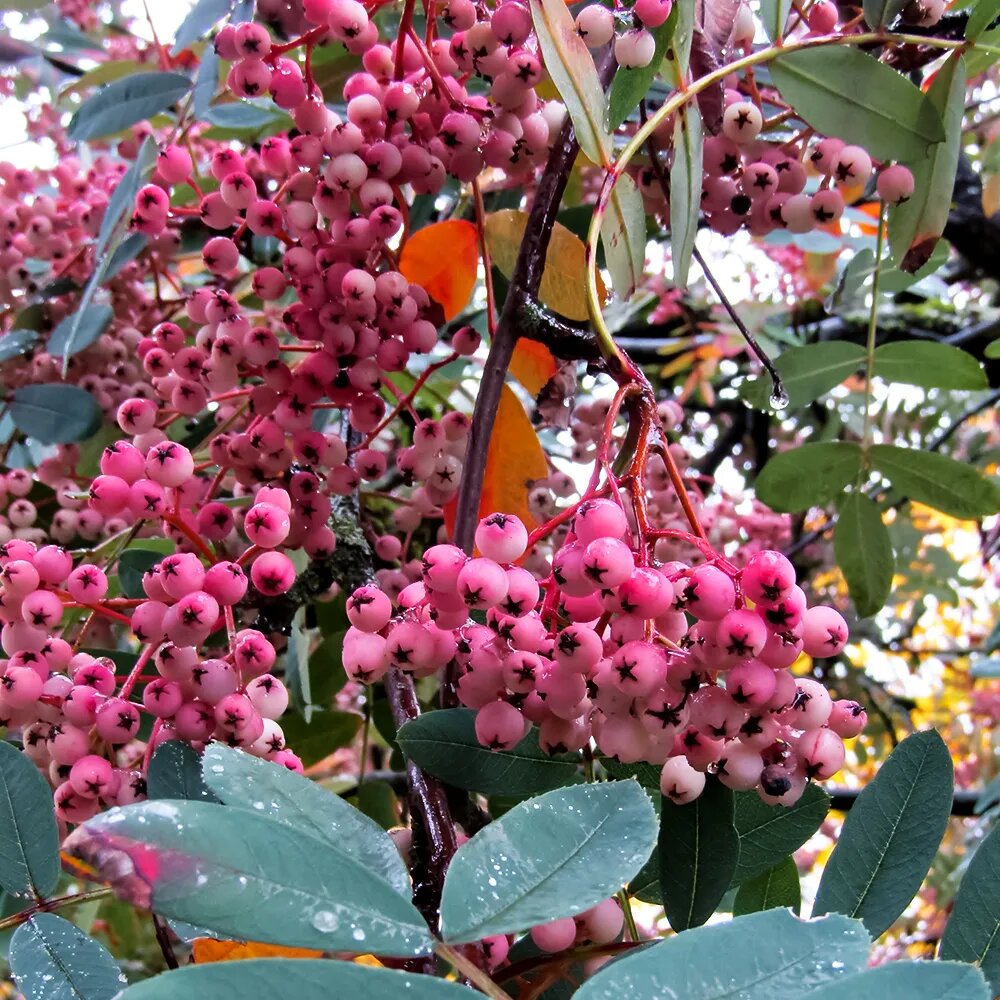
(686, 666)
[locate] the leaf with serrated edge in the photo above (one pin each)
(891, 835)
(908, 981)
(777, 887)
(809, 475)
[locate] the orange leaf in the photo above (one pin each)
(514, 461)
(532, 365)
(211, 950)
(443, 259)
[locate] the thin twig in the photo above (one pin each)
(475, 975)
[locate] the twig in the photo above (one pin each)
(475, 975)
(163, 940)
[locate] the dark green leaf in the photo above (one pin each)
(698, 848)
(125, 102)
(808, 476)
(239, 779)
(941, 482)
(983, 15)
(929, 364)
(685, 190)
(916, 225)
(132, 563)
(623, 232)
(864, 554)
(14, 343)
(54, 413)
(202, 17)
(777, 887)
(444, 744)
(175, 773)
(992, 350)
(973, 931)
(378, 801)
(845, 93)
(908, 981)
(806, 373)
(891, 835)
(51, 959)
(301, 978)
(77, 332)
(29, 838)
(763, 956)
(247, 876)
(881, 13)
(774, 17)
(631, 85)
(769, 833)
(549, 857)
(571, 68)
(321, 735)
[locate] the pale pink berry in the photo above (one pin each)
(555, 936)
(595, 24)
(599, 519)
(742, 122)
(500, 726)
(602, 923)
(680, 782)
(117, 721)
(272, 573)
(92, 777)
(708, 593)
(501, 537)
(894, 184)
(822, 752)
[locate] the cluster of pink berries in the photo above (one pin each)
(679, 665)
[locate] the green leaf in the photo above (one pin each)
(941, 482)
(14, 343)
(202, 17)
(125, 102)
(992, 350)
(444, 743)
(55, 413)
(774, 17)
(52, 959)
(984, 54)
(206, 82)
(630, 86)
(973, 931)
(763, 956)
(685, 190)
(552, 856)
(864, 554)
(778, 887)
(321, 735)
(247, 876)
(78, 332)
(623, 231)
(175, 773)
(908, 981)
(301, 978)
(845, 93)
(807, 373)
(881, 13)
(105, 72)
(929, 364)
(119, 211)
(983, 15)
(571, 66)
(242, 115)
(808, 476)
(769, 833)
(891, 835)
(916, 225)
(132, 564)
(124, 253)
(29, 837)
(985, 668)
(240, 779)
(698, 849)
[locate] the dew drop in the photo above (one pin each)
(779, 398)
(325, 922)
(358, 934)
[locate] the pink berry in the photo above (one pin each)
(555, 936)
(500, 726)
(501, 537)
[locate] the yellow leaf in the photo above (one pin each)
(532, 365)
(443, 259)
(514, 461)
(563, 288)
(210, 950)
(991, 195)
